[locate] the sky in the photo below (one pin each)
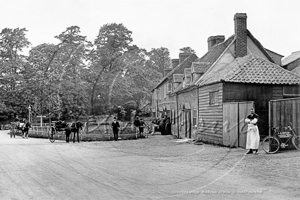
(172, 24)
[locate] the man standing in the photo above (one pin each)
(253, 137)
(142, 125)
(26, 128)
(67, 130)
(115, 126)
(137, 125)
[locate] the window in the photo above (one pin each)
(169, 87)
(213, 98)
(195, 117)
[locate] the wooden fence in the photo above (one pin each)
(282, 112)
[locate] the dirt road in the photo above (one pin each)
(153, 168)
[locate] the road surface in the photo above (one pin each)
(159, 167)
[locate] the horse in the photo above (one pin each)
(70, 128)
(16, 127)
(25, 129)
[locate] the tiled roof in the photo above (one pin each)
(214, 53)
(199, 67)
(294, 56)
(207, 60)
(249, 69)
(178, 78)
(179, 69)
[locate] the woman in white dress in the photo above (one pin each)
(253, 137)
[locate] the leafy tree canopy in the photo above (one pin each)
(187, 50)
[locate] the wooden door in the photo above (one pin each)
(230, 124)
(244, 111)
(188, 131)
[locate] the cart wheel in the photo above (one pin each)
(296, 142)
(270, 144)
(51, 133)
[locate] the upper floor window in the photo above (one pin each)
(169, 87)
(214, 98)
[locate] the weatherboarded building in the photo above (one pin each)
(218, 89)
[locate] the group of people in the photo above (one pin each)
(24, 126)
(162, 125)
(140, 125)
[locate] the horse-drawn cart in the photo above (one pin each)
(64, 128)
(19, 128)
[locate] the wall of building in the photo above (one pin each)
(252, 48)
(179, 127)
(210, 117)
(293, 64)
(259, 93)
(277, 58)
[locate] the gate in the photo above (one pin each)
(234, 127)
(284, 111)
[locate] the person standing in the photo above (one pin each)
(115, 126)
(162, 125)
(26, 128)
(168, 127)
(137, 125)
(253, 137)
(68, 131)
(141, 127)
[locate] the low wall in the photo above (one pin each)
(101, 133)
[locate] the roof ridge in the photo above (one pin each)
(213, 64)
(173, 70)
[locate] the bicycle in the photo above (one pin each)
(281, 139)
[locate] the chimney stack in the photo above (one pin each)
(240, 31)
(214, 40)
(167, 70)
(183, 56)
(175, 62)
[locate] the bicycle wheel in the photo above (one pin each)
(296, 142)
(270, 144)
(51, 133)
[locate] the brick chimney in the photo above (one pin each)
(167, 70)
(214, 40)
(183, 56)
(240, 31)
(175, 62)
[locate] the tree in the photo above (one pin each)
(111, 43)
(12, 62)
(160, 58)
(187, 50)
(55, 75)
